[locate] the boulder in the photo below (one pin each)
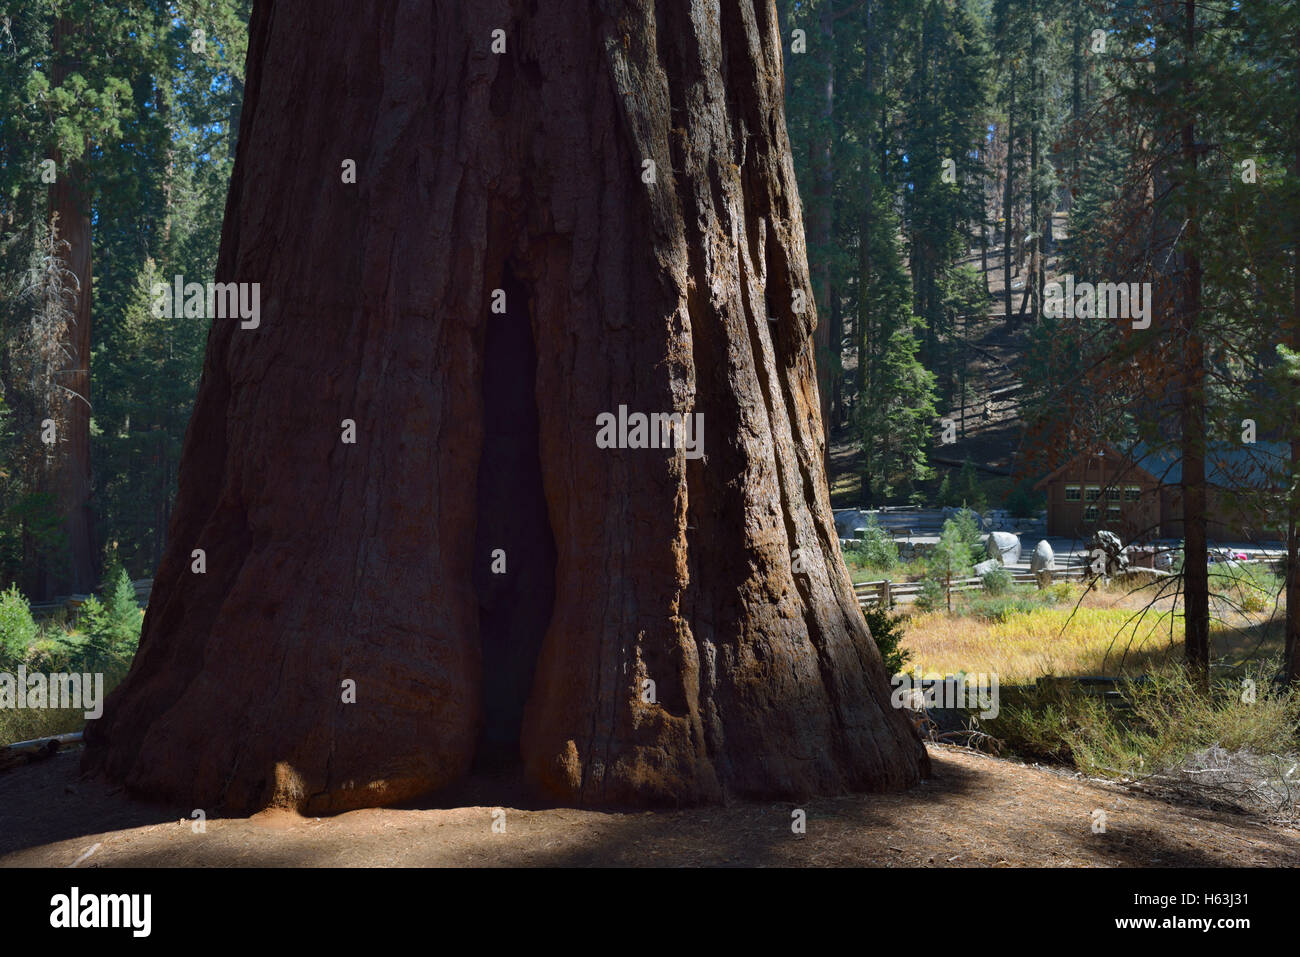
(984, 567)
(1107, 541)
(1106, 554)
(1043, 563)
(1004, 546)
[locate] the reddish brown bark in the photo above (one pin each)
(327, 561)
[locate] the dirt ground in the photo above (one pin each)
(975, 811)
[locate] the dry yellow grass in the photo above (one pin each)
(1027, 645)
(1104, 636)
(28, 723)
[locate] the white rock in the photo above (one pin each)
(1004, 546)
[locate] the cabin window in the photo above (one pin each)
(1092, 493)
(1072, 493)
(1090, 513)
(1132, 493)
(1113, 513)
(1113, 493)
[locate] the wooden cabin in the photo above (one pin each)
(1138, 495)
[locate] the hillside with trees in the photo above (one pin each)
(956, 159)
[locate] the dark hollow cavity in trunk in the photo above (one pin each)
(514, 549)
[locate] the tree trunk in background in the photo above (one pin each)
(1034, 281)
(71, 477)
(1291, 661)
(1196, 582)
(836, 401)
(862, 327)
(329, 562)
(1076, 97)
(822, 216)
(1006, 201)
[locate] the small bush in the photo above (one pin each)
(1170, 732)
(876, 550)
(1000, 608)
(958, 548)
(967, 529)
(1056, 593)
(932, 596)
(879, 549)
(18, 629)
(1044, 722)
(1249, 589)
(887, 630)
(1024, 502)
(998, 581)
(112, 625)
(103, 639)
(946, 495)
(968, 487)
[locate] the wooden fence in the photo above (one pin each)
(903, 593)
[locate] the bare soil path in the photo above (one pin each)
(974, 812)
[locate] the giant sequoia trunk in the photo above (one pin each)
(718, 578)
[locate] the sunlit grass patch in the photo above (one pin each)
(27, 723)
(1027, 644)
(1113, 628)
(1223, 746)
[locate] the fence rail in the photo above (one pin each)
(902, 593)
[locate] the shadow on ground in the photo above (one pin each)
(975, 811)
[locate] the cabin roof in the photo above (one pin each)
(1227, 464)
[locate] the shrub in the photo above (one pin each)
(1056, 592)
(932, 596)
(18, 629)
(1046, 721)
(1000, 608)
(998, 581)
(1168, 723)
(946, 495)
(887, 630)
(1249, 589)
(878, 549)
(112, 624)
(1024, 502)
(966, 528)
(958, 547)
(103, 640)
(968, 487)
